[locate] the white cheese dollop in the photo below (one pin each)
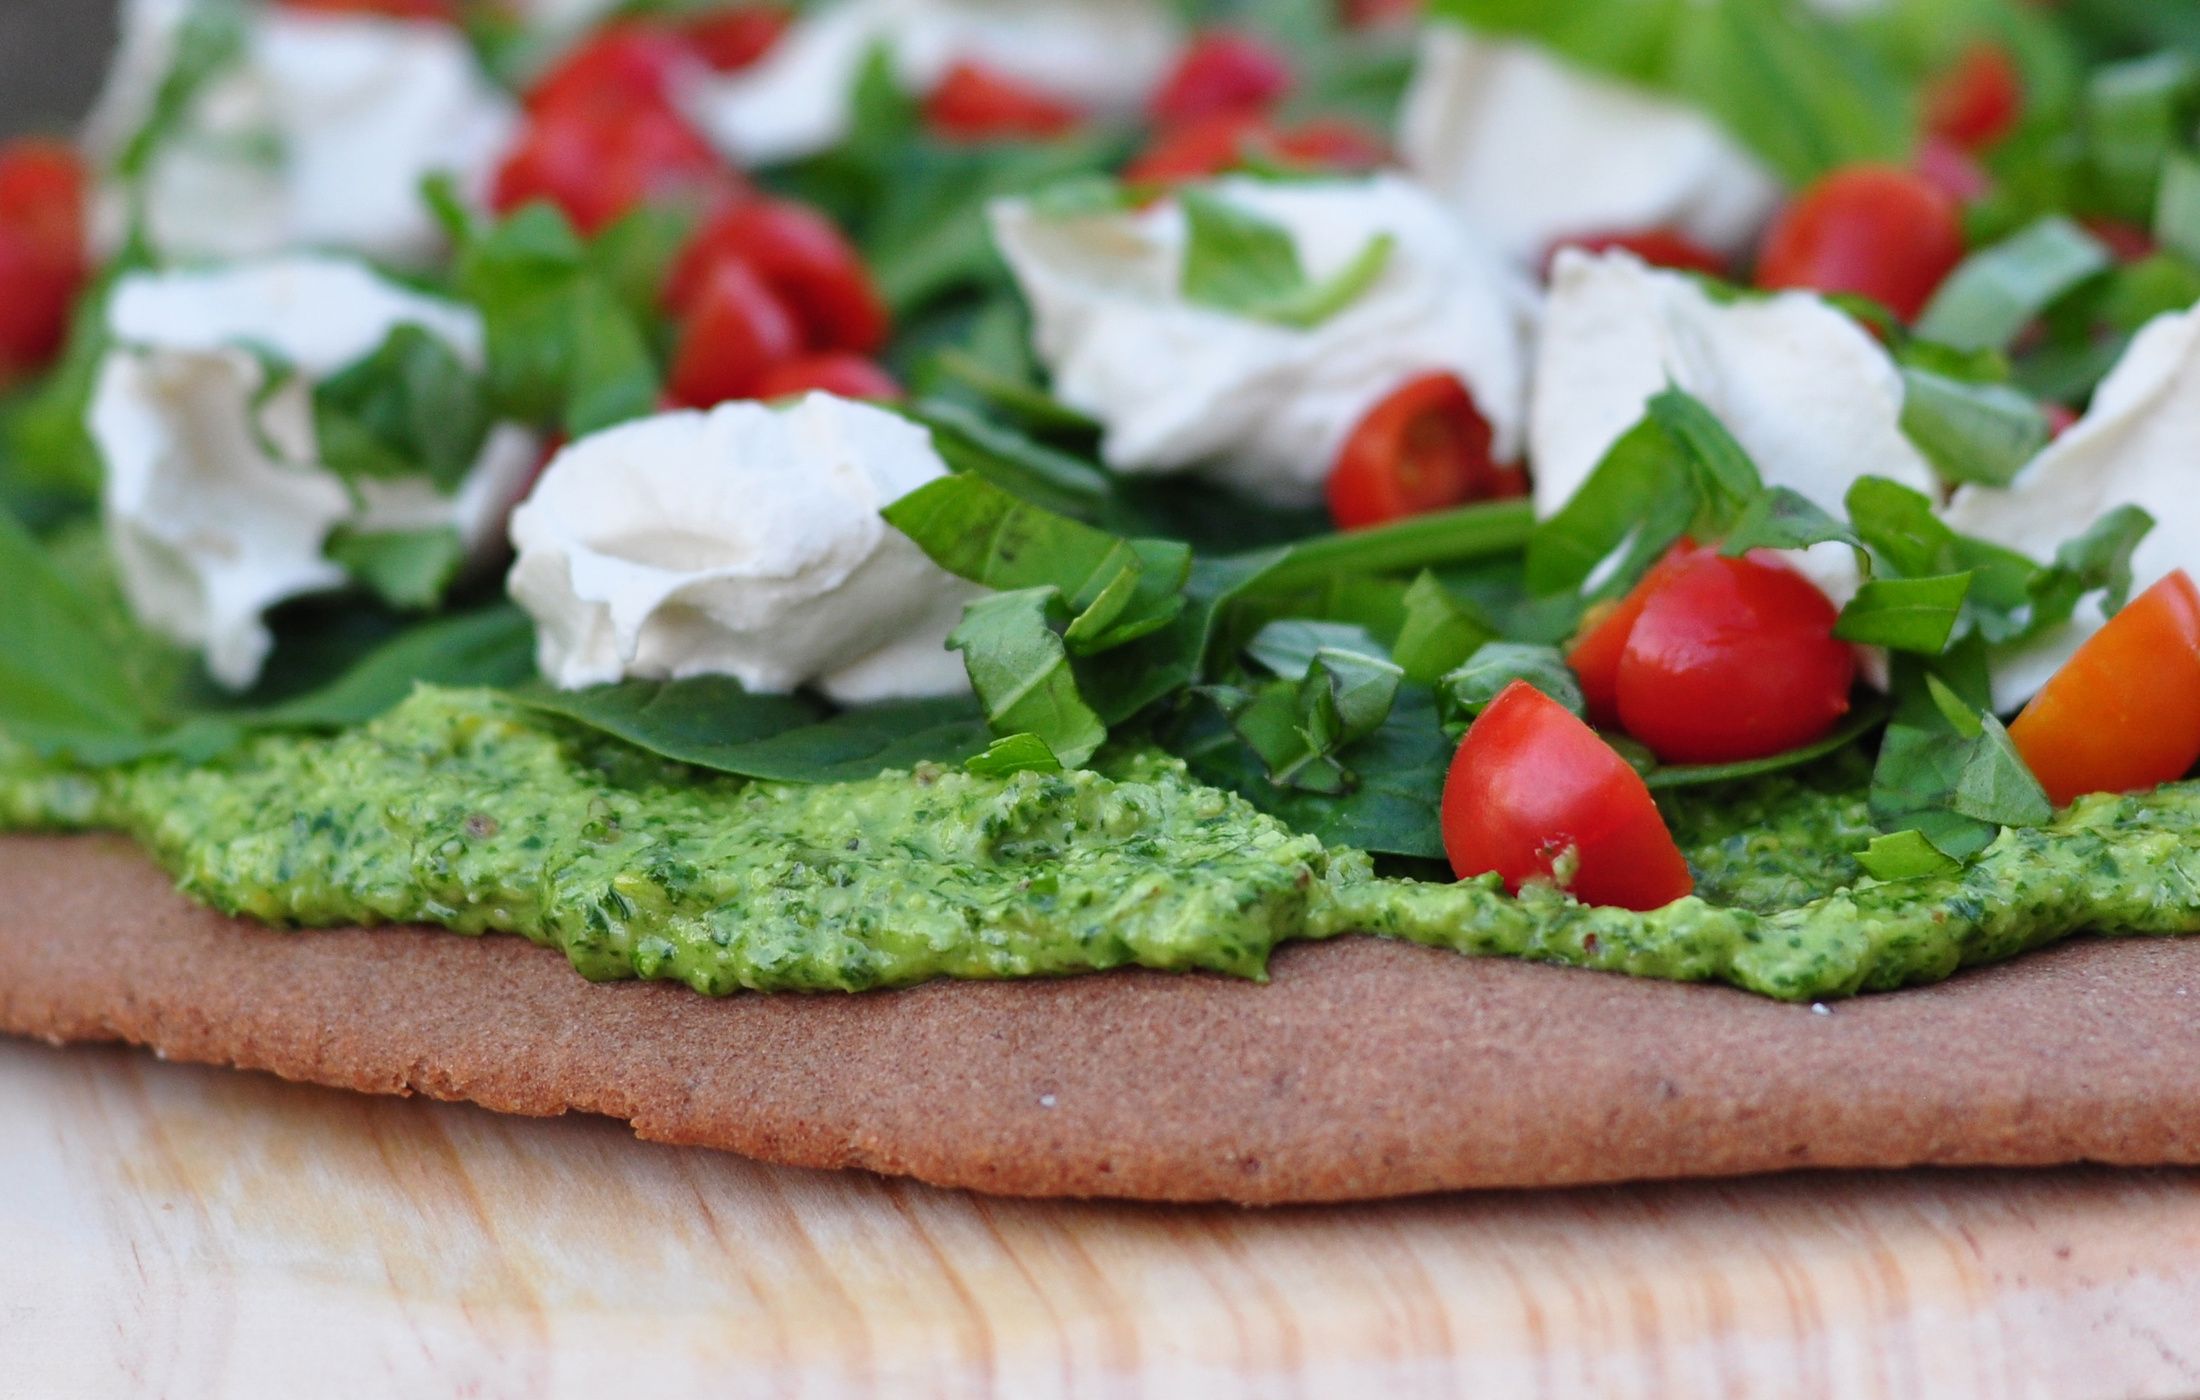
(1265, 407)
(1533, 151)
(215, 507)
(317, 135)
(2139, 445)
(744, 542)
(1804, 389)
(1102, 56)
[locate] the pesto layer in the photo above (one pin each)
(462, 810)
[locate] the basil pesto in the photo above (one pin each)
(462, 809)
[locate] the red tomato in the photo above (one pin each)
(975, 103)
(43, 265)
(1222, 71)
(737, 330)
(1732, 659)
(2128, 242)
(1368, 14)
(1534, 789)
(1212, 145)
(1659, 247)
(2123, 713)
(1602, 641)
(2061, 418)
(731, 40)
(598, 162)
(1977, 102)
(618, 66)
(1952, 170)
(1424, 448)
(849, 376)
(1871, 230)
(442, 10)
(804, 258)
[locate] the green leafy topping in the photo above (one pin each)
(410, 407)
(1020, 667)
(1981, 433)
(1327, 698)
(1016, 462)
(1782, 518)
(1018, 753)
(1439, 631)
(1462, 695)
(1906, 855)
(1238, 262)
(1999, 290)
(410, 570)
(1668, 777)
(1905, 614)
(2096, 561)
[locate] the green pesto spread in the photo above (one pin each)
(463, 810)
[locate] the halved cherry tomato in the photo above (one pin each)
(731, 40)
(1424, 448)
(1212, 145)
(1221, 71)
(737, 330)
(1659, 247)
(2123, 713)
(975, 103)
(803, 257)
(1731, 659)
(1871, 230)
(43, 265)
(1535, 795)
(442, 10)
(1978, 101)
(1602, 641)
(849, 376)
(618, 66)
(598, 162)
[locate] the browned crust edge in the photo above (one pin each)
(1365, 1069)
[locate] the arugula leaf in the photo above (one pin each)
(1462, 695)
(409, 569)
(1905, 614)
(410, 407)
(713, 722)
(1982, 433)
(1906, 855)
(1018, 753)
(1439, 631)
(1238, 262)
(1999, 290)
(1784, 81)
(1117, 590)
(1021, 670)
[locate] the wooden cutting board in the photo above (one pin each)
(178, 1231)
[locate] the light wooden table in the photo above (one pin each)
(176, 1231)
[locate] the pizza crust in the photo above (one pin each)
(1364, 1069)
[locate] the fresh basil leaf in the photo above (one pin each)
(1239, 262)
(1117, 590)
(1018, 753)
(1640, 496)
(1996, 786)
(1021, 670)
(2177, 206)
(1980, 433)
(1914, 784)
(1665, 778)
(1299, 724)
(410, 407)
(1011, 393)
(1783, 80)
(211, 39)
(1159, 665)
(1781, 518)
(1289, 647)
(1489, 529)
(61, 686)
(1961, 713)
(2097, 561)
(1465, 693)
(1439, 631)
(1906, 855)
(1015, 462)
(1905, 614)
(2133, 118)
(1727, 480)
(409, 569)
(1995, 293)
(713, 722)
(491, 646)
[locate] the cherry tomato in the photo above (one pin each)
(618, 66)
(1535, 795)
(1978, 101)
(1732, 659)
(598, 163)
(804, 258)
(1871, 230)
(1659, 247)
(2061, 418)
(731, 40)
(737, 330)
(43, 265)
(2123, 713)
(849, 376)
(975, 103)
(1370, 14)
(1424, 448)
(1602, 641)
(445, 11)
(1213, 145)
(1952, 170)
(1221, 71)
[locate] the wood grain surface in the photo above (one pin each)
(183, 1232)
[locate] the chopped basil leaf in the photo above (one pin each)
(1906, 855)
(1020, 667)
(1439, 631)
(1290, 646)
(410, 407)
(1298, 725)
(1014, 461)
(1462, 695)
(1995, 785)
(1905, 614)
(1980, 433)
(408, 569)
(2099, 560)
(1781, 518)
(1661, 778)
(1998, 291)
(1238, 262)
(1018, 753)
(2133, 120)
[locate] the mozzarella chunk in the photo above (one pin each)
(744, 542)
(215, 507)
(1179, 386)
(1100, 55)
(1533, 151)
(1805, 389)
(319, 133)
(2135, 446)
